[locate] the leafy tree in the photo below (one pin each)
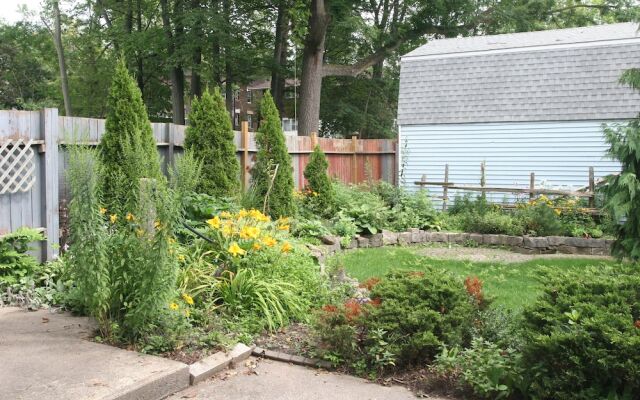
(127, 149)
(210, 138)
(623, 190)
(273, 159)
(318, 181)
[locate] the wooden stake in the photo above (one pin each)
(483, 178)
(592, 187)
(532, 185)
(354, 161)
(423, 179)
(314, 140)
(445, 190)
(245, 154)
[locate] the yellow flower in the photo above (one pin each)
(174, 306)
(283, 220)
(130, 217)
(257, 215)
(181, 258)
(269, 241)
(187, 299)
(171, 240)
(103, 210)
(113, 218)
(236, 250)
(283, 227)
(225, 214)
(557, 211)
(257, 246)
(187, 313)
(227, 230)
(157, 224)
(249, 232)
(214, 222)
(140, 232)
(286, 247)
(242, 213)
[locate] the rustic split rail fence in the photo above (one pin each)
(587, 191)
(33, 162)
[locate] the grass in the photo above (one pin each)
(512, 285)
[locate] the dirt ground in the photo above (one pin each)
(486, 254)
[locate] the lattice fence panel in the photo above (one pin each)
(17, 166)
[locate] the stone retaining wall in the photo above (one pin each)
(520, 244)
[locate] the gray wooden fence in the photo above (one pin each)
(47, 134)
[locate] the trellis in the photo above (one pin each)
(17, 166)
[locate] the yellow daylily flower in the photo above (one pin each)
(113, 218)
(256, 246)
(130, 217)
(269, 241)
(187, 299)
(103, 210)
(181, 258)
(227, 230)
(174, 306)
(214, 222)
(236, 250)
(225, 214)
(286, 247)
(242, 213)
(283, 227)
(157, 224)
(250, 232)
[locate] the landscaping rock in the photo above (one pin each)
(600, 251)
(535, 242)
(513, 240)
(404, 238)
(522, 250)
(476, 237)
(317, 252)
(352, 244)
(363, 242)
(417, 236)
(389, 238)
(494, 240)
(375, 240)
(556, 240)
(439, 237)
(240, 352)
(330, 239)
(207, 367)
(456, 237)
(582, 242)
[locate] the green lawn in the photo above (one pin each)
(512, 285)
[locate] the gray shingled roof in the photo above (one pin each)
(568, 74)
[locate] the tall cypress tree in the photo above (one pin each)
(318, 181)
(127, 148)
(210, 139)
(272, 152)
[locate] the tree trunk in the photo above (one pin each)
(196, 81)
(139, 60)
(226, 10)
(176, 73)
(312, 69)
(278, 74)
(57, 39)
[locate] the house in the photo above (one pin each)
(247, 98)
(520, 102)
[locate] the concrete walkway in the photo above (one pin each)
(273, 380)
(45, 356)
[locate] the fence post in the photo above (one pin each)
(445, 190)
(532, 185)
(592, 188)
(314, 140)
(171, 134)
(423, 179)
(50, 134)
(483, 179)
(244, 129)
(354, 161)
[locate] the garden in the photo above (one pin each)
(186, 263)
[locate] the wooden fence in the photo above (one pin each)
(41, 137)
(587, 191)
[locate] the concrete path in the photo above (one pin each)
(45, 356)
(273, 380)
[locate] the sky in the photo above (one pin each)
(9, 9)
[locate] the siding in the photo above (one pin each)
(559, 153)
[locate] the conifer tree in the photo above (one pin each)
(272, 154)
(210, 139)
(127, 148)
(623, 190)
(318, 181)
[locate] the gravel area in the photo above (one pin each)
(487, 254)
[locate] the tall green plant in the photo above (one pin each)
(623, 190)
(318, 181)
(272, 173)
(210, 138)
(88, 236)
(127, 148)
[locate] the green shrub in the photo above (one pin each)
(368, 211)
(127, 148)
(492, 222)
(581, 337)
(272, 173)
(310, 228)
(319, 183)
(185, 174)
(345, 227)
(210, 137)
(413, 313)
(15, 263)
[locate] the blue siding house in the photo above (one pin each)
(521, 103)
